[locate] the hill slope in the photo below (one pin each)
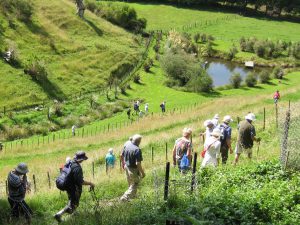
(78, 54)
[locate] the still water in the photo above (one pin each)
(221, 71)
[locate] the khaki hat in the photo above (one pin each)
(227, 119)
(251, 117)
(217, 132)
(187, 131)
(22, 168)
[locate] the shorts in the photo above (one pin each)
(239, 149)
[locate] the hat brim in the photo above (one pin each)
(82, 159)
(21, 171)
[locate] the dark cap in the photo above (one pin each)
(80, 156)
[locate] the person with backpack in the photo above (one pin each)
(225, 138)
(212, 149)
(132, 156)
(71, 181)
(163, 107)
(215, 120)
(276, 97)
(246, 137)
(17, 187)
(182, 151)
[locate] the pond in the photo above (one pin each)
(221, 70)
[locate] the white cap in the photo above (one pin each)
(68, 159)
(216, 116)
(111, 150)
(251, 117)
(227, 119)
(136, 137)
(216, 132)
(186, 131)
(207, 123)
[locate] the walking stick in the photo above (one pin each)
(258, 148)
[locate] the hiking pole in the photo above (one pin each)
(258, 148)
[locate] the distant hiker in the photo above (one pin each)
(225, 138)
(146, 108)
(212, 149)
(128, 112)
(141, 113)
(8, 55)
(138, 103)
(132, 156)
(215, 120)
(1, 146)
(71, 180)
(246, 136)
(136, 108)
(163, 107)
(80, 8)
(74, 130)
(17, 187)
(110, 159)
(182, 151)
(209, 129)
(276, 97)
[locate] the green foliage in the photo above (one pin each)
(232, 52)
(236, 80)
(119, 14)
(294, 50)
(251, 80)
(21, 9)
(264, 77)
(277, 73)
(37, 70)
(137, 78)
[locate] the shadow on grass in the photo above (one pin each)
(36, 29)
(212, 94)
(258, 87)
(95, 28)
(52, 90)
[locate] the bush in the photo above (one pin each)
(236, 80)
(232, 52)
(196, 37)
(37, 70)
(264, 77)
(137, 78)
(259, 48)
(277, 73)
(251, 80)
(22, 9)
(200, 83)
(147, 65)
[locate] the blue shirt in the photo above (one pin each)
(131, 155)
(110, 159)
(226, 131)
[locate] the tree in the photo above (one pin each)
(236, 80)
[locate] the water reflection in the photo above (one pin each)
(221, 70)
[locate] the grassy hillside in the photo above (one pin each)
(78, 54)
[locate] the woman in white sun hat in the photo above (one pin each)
(212, 147)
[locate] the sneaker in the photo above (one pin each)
(58, 218)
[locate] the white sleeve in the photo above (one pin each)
(218, 147)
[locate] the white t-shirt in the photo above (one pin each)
(212, 153)
(207, 134)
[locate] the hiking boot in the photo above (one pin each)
(58, 218)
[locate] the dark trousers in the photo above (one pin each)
(224, 154)
(74, 197)
(19, 208)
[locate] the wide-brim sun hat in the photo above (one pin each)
(227, 119)
(111, 150)
(22, 168)
(187, 131)
(207, 123)
(250, 116)
(217, 132)
(216, 116)
(80, 156)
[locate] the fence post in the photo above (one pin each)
(152, 153)
(284, 147)
(49, 181)
(166, 190)
(276, 114)
(166, 151)
(194, 171)
(6, 187)
(82, 133)
(34, 183)
(108, 128)
(4, 110)
(264, 119)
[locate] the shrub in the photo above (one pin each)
(259, 48)
(37, 70)
(137, 78)
(196, 37)
(200, 82)
(203, 37)
(22, 9)
(57, 109)
(243, 44)
(251, 80)
(277, 73)
(236, 80)
(264, 77)
(147, 65)
(232, 52)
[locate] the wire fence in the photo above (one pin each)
(289, 123)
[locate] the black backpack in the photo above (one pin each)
(62, 180)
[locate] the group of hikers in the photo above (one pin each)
(217, 145)
(141, 113)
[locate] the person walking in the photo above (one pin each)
(246, 137)
(212, 149)
(128, 112)
(17, 187)
(276, 97)
(209, 129)
(163, 107)
(136, 107)
(110, 159)
(215, 120)
(74, 130)
(75, 182)
(226, 138)
(183, 149)
(132, 156)
(146, 108)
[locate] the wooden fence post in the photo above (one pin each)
(264, 127)
(166, 189)
(49, 181)
(194, 171)
(276, 114)
(82, 133)
(93, 169)
(152, 153)
(34, 183)
(166, 151)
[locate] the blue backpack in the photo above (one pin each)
(62, 180)
(185, 162)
